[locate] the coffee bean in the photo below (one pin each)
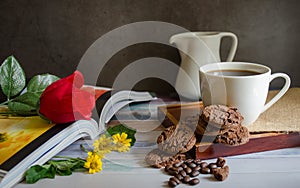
(194, 173)
(197, 161)
(172, 172)
(220, 162)
(182, 173)
(183, 165)
(172, 183)
(177, 164)
(203, 164)
(179, 169)
(197, 168)
(167, 168)
(173, 169)
(192, 165)
(188, 170)
(179, 177)
(186, 179)
(205, 170)
(174, 179)
(194, 181)
(189, 160)
(212, 165)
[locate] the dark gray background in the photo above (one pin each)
(51, 36)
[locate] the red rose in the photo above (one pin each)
(64, 101)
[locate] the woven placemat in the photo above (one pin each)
(283, 116)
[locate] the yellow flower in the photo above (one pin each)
(103, 145)
(93, 162)
(122, 144)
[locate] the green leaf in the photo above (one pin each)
(65, 167)
(123, 128)
(25, 104)
(37, 172)
(52, 168)
(38, 83)
(12, 77)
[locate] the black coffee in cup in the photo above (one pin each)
(233, 72)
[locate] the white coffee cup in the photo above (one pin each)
(241, 85)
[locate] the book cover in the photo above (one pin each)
(22, 135)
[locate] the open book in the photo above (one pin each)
(27, 141)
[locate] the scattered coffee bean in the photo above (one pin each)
(194, 181)
(183, 165)
(172, 183)
(197, 161)
(179, 177)
(172, 172)
(194, 173)
(174, 179)
(203, 164)
(189, 160)
(173, 169)
(192, 165)
(182, 173)
(177, 164)
(179, 169)
(186, 179)
(205, 170)
(212, 166)
(220, 162)
(188, 170)
(197, 168)
(167, 168)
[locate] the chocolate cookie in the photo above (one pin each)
(176, 139)
(207, 129)
(233, 135)
(221, 173)
(221, 115)
(158, 158)
(223, 123)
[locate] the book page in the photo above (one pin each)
(116, 101)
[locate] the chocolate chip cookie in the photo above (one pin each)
(223, 123)
(158, 158)
(220, 115)
(176, 139)
(233, 135)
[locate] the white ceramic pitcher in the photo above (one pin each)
(197, 49)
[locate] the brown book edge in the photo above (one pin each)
(257, 143)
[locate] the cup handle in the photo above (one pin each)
(233, 45)
(281, 92)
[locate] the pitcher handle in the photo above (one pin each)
(233, 45)
(281, 92)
